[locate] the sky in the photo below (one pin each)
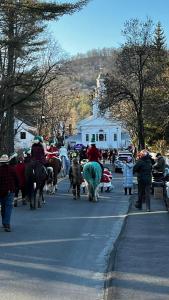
(100, 23)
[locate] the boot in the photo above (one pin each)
(74, 194)
(130, 191)
(125, 191)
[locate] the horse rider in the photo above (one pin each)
(37, 151)
(52, 151)
(93, 153)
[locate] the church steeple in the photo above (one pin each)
(100, 88)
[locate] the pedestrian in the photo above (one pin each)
(159, 166)
(127, 170)
(143, 168)
(8, 185)
(75, 178)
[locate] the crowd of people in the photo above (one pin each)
(12, 174)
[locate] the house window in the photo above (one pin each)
(22, 135)
(115, 137)
(101, 137)
(93, 138)
(105, 137)
(87, 137)
(96, 137)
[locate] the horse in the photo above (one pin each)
(92, 173)
(56, 164)
(65, 165)
(36, 176)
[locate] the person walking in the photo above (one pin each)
(127, 170)
(8, 185)
(143, 168)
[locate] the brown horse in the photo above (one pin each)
(56, 164)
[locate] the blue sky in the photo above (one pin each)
(99, 24)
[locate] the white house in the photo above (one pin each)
(24, 134)
(105, 131)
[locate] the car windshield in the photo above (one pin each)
(125, 154)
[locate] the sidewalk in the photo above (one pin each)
(141, 266)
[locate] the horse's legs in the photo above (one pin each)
(39, 198)
(34, 198)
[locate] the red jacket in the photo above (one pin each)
(20, 171)
(93, 154)
(8, 180)
(54, 152)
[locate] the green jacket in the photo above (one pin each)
(143, 168)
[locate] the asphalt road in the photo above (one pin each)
(61, 251)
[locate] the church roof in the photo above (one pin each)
(98, 121)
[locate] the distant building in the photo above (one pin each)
(105, 131)
(24, 134)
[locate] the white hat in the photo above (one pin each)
(4, 158)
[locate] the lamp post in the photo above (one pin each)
(117, 137)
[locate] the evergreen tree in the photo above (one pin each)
(159, 38)
(21, 23)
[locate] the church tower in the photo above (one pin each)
(99, 91)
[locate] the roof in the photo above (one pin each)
(98, 121)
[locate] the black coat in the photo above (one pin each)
(143, 168)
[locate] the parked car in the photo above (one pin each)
(122, 156)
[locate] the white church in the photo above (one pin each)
(105, 131)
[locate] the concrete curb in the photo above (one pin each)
(111, 260)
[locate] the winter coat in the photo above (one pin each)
(38, 153)
(20, 171)
(127, 175)
(143, 168)
(160, 164)
(93, 154)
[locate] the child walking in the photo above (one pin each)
(128, 175)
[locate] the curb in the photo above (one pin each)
(112, 257)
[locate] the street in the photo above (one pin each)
(61, 251)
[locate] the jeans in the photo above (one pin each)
(144, 191)
(6, 207)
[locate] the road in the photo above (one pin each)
(61, 251)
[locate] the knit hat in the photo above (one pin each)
(4, 158)
(38, 139)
